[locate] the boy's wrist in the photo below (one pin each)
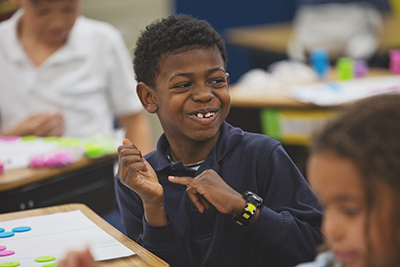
(154, 213)
(251, 209)
(239, 208)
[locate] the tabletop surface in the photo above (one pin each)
(142, 258)
(275, 37)
(241, 98)
(12, 178)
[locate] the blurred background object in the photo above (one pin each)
(343, 28)
(7, 8)
(226, 14)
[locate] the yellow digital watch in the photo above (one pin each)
(253, 203)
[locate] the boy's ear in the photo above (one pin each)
(147, 96)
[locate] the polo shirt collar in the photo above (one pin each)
(228, 139)
(77, 44)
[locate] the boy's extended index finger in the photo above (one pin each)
(181, 180)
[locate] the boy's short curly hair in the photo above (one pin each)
(174, 34)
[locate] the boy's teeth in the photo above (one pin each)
(209, 114)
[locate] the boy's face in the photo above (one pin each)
(338, 185)
(192, 95)
(51, 21)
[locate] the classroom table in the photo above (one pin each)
(275, 37)
(88, 181)
(141, 259)
(250, 100)
(248, 109)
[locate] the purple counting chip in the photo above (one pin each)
(6, 253)
(2, 248)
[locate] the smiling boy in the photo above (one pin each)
(211, 194)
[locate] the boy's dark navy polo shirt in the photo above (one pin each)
(285, 233)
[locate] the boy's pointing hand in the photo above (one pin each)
(208, 187)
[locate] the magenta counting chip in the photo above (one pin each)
(2, 248)
(6, 253)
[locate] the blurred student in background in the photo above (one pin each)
(65, 75)
(354, 169)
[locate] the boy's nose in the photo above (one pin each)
(202, 93)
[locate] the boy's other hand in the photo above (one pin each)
(136, 173)
(42, 125)
(208, 187)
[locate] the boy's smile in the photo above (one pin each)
(192, 96)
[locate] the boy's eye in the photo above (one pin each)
(182, 86)
(217, 82)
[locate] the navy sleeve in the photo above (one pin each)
(159, 240)
(289, 222)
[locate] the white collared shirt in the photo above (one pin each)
(89, 80)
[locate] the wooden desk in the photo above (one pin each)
(248, 112)
(86, 181)
(251, 100)
(142, 258)
(275, 37)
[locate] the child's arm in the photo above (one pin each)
(78, 259)
(208, 187)
(137, 174)
(42, 124)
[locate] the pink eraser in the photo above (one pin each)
(56, 159)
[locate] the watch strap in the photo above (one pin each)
(244, 218)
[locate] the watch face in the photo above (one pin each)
(250, 196)
(257, 198)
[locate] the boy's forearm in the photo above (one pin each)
(154, 213)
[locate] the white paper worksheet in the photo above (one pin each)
(57, 234)
(336, 93)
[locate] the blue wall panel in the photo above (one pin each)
(224, 14)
